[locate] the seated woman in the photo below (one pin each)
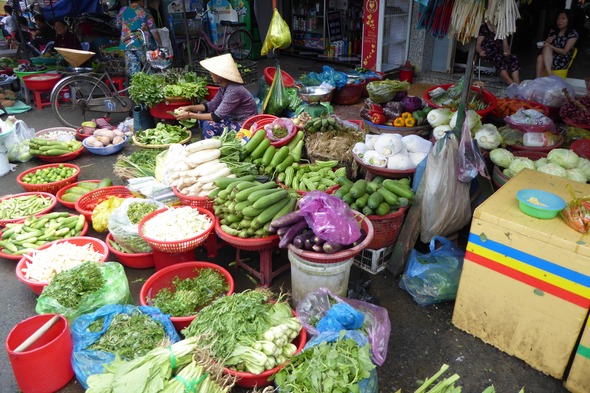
(498, 52)
(558, 47)
(43, 33)
(65, 38)
(232, 104)
(24, 29)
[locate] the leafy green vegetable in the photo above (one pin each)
(141, 163)
(327, 367)
(129, 335)
(69, 287)
(188, 295)
(146, 88)
(138, 210)
(151, 89)
(231, 152)
(163, 134)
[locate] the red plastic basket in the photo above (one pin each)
(343, 255)
(37, 286)
(53, 187)
(81, 136)
(386, 228)
(142, 260)
(249, 122)
(41, 82)
(581, 147)
(248, 244)
(557, 144)
(177, 246)
(62, 157)
(488, 97)
(349, 94)
(45, 366)
(82, 204)
(186, 200)
(62, 191)
(163, 279)
(250, 381)
(49, 208)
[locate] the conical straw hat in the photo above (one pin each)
(75, 57)
(224, 66)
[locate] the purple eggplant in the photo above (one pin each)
(300, 239)
(293, 231)
(318, 240)
(317, 248)
(331, 247)
(287, 220)
(308, 244)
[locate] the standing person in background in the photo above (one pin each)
(498, 52)
(154, 9)
(26, 34)
(558, 47)
(8, 23)
(43, 33)
(65, 38)
(130, 18)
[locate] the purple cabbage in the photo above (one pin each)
(411, 103)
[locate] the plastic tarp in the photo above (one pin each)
(61, 8)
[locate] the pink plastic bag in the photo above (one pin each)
(469, 161)
(330, 218)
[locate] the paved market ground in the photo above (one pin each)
(422, 338)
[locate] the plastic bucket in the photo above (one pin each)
(308, 276)
(45, 366)
(406, 75)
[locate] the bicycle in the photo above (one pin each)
(86, 95)
(236, 40)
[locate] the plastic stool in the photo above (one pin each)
(119, 82)
(38, 98)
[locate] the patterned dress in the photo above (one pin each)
(560, 62)
(132, 18)
(494, 50)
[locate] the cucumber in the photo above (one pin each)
(343, 181)
(253, 143)
(260, 149)
(383, 209)
(389, 197)
(372, 187)
(400, 189)
(367, 211)
(348, 199)
(271, 199)
(71, 197)
(359, 188)
(106, 182)
(342, 191)
(256, 195)
(375, 200)
(362, 201)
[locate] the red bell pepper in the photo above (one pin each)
(377, 108)
(378, 118)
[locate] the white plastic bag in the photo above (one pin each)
(124, 231)
(446, 207)
(17, 143)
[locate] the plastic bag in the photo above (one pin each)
(280, 129)
(547, 90)
(383, 91)
(446, 207)
(530, 120)
(469, 160)
(87, 362)
(124, 231)
(278, 35)
(376, 319)
(102, 212)
(277, 99)
(17, 143)
(328, 75)
(434, 277)
(114, 291)
(329, 218)
(294, 100)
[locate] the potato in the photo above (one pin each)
(104, 132)
(7, 103)
(93, 142)
(104, 140)
(2, 96)
(118, 139)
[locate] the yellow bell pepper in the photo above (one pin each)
(399, 122)
(410, 121)
(407, 115)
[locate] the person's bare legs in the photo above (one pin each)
(545, 61)
(516, 77)
(506, 77)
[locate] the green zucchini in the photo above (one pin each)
(359, 188)
(383, 209)
(268, 155)
(280, 157)
(271, 199)
(253, 143)
(244, 194)
(389, 197)
(106, 182)
(398, 188)
(260, 149)
(375, 200)
(362, 201)
(343, 181)
(268, 213)
(256, 195)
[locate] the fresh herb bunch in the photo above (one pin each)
(129, 335)
(189, 295)
(141, 163)
(151, 89)
(71, 286)
(327, 367)
(147, 88)
(231, 154)
(138, 210)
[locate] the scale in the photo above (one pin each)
(313, 95)
(4, 164)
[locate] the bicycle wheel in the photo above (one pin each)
(239, 44)
(200, 52)
(70, 96)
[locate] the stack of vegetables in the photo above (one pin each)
(151, 89)
(450, 97)
(392, 151)
(376, 197)
(140, 163)
(44, 147)
(508, 106)
(246, 207)
(162, 135)
(251, 331)
(269, 159)
(402, 111)
(321, 176)
(444, 120)
(72, 194)
(559, 162)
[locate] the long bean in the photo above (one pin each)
(23, 206)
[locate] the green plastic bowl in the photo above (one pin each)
(548, 206)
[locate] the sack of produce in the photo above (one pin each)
(376, 326)
(17, 143)
(125, 219)
(83, 289)
(112, 331)
(434, 277)
(102, 212)
(278, 35)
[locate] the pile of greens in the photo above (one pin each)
(151, 89)
(138, 210)
(129, 335)
(71, 286)
(189, 295)
(231, 154)
(162, 134)
(141, 163)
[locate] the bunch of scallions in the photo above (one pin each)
(185, 366)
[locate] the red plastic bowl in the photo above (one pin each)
(80, 136)
(161, 110)
(53, 187)
(211, 92)
(581, 147)
(249, 122)
(248, 244)
(62, 157)
(349, 94)
(49, 208)
(249, 380)
(41, 82)
(488, 97)
(269, 75)
(142, 260)
(163, 279)
(62, 191)
(37, 286)
(82, 204)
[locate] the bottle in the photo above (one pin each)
(538, 139)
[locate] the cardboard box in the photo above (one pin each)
(525, 284)
(578, 378)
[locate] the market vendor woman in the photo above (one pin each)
(230, 107)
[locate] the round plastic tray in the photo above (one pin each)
(488, 98)
(62, 157)
(248, 244)
(52, 187)
(49, 208)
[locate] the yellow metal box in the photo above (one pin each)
(525, 284)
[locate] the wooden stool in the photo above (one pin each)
(38, 98)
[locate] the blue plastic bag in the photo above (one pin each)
(433, 277)
(87, 362)
(329, 75)
(341, 316)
